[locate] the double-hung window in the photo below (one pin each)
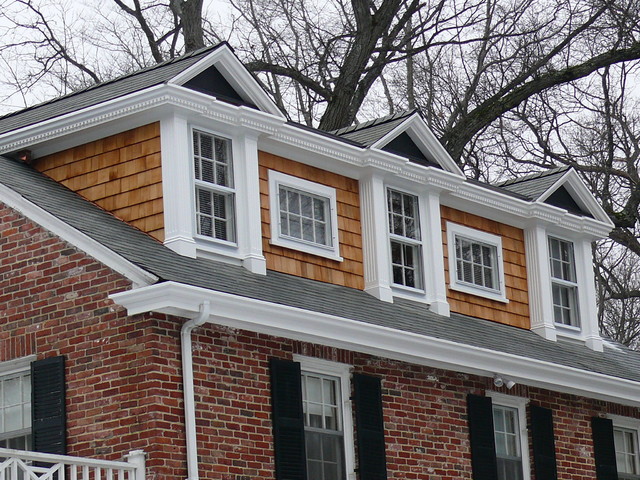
(626, 445)
(564, 284)
(475, 262)
(323, 426)
(214, 188)
(15, 411)
(303, 215)
(404, 239)
(508, 442)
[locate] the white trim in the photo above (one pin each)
(343, 372)
(233, 72)
(423, 137)
(298, 324)
(277, 179)
(66, 232)
(495, 241)
(520, 404)
(17, 365)
(580, 194)
(628, 423)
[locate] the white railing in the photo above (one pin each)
(21, 465)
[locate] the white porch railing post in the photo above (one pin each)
(137, 458)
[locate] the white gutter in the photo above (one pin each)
(189, 396)
(280, 320)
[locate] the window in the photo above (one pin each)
(303, 215)
(404, 239)
(323, 426)
(508, 442)
(626, 445)
(475, 262)
(563, 283)
(15, 411)
(215, 194)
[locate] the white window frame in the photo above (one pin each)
(17, 367)
(574, 286)
(278, 179)
(454, 230)
(343, 372)
(520, 404)
(413, 242)
(633, 425)
(228, 191)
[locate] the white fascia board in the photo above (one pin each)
(196, 103)
(235, 73)
(354, 161)
(123, 113)
(91, 247)
(80, 120)
(580, 193)
(521, 213)
(298, 324)
(420, 133)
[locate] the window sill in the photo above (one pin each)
(328, 252)
(496, 296)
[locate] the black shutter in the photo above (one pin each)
(288, 420)
(372, 463)
(604, 448)
(544, 450)
(483, 444)
(48, 409)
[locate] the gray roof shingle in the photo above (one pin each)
(405, 315)
(102, 92)
(368, 133)
(531, 187)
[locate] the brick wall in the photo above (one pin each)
(124, 378)
(123, 374)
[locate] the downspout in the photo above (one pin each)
(189, 395)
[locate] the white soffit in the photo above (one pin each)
(280, 320)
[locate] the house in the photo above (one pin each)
(193, 283)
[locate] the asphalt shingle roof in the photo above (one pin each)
(102, 92)
(368, 133)
(531, 187)
(142, 250)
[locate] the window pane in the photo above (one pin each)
(303, 216)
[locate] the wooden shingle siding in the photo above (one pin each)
(121, 173)
(349, 272)
(516, 312)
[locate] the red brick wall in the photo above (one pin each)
(123, 374)
(124, 378)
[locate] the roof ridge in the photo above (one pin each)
(374, 122)
(533, 176)
(116, 79)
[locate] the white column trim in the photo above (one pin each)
(433, 253)
(587, 295)
(248, 216)
(539, 282)
(377, 267)
(175, 135)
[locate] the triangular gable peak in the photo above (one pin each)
(570, 193)
(222, 75)
(413, 139)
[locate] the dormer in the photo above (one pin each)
(559, 255)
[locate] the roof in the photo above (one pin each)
(368, 133)
(404, 315)
(103, 92)
(531, 187)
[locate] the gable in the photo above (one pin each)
(404, 146)
(562, 198)
(212, 82)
